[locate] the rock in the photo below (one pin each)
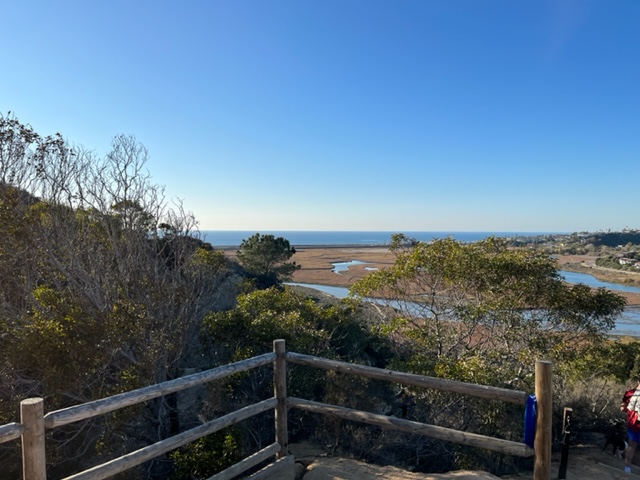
(346, 469)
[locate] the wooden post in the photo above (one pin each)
(542, 443)
(566, 433)
(280, 392)
(33, 452)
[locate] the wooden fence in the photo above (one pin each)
(34, 423)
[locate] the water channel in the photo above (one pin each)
(628, 324)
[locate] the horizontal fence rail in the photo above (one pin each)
(145, 454)
(116, 402)
(31, 429)
(249, 462)
(483, 391)
(394, 423)
(11, 431)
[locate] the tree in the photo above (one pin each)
(265, 257)
(486, 300)
(483, 313)
(332, 330)
(103, 286)
(261, 316)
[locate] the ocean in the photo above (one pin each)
(297, 238)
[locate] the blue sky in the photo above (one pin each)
(404, 115)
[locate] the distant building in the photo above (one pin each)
(629, 261)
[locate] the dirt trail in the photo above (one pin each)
(313, 463)
(585, 462)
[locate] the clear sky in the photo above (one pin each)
(401, 115)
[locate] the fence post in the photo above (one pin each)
(542, 442)
(566, 434)
(33, 452)
(280, 392)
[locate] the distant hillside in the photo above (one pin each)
(612, 239)
(581, 243)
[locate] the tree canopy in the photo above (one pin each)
(95, 297)
(265, 257)
(498, 305)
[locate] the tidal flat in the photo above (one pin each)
(316, 266)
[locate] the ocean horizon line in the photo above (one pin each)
(395, 231)
(228, 238)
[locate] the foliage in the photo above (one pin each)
(581, 243)
(597, 378)
(503, 306)
(206, 457)
(483, 313)
(612, 261)
(613, 239)
(261, 316)
(330, 331)
(96, 298)
(265, 257)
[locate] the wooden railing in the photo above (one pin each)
(34, 422)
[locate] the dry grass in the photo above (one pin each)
(316, 263)
(316, 266)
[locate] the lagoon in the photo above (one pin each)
(591, 281)
(628, 324)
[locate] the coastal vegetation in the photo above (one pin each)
(487, 301)
(106, 287)
(582, 242)
(608, 256)
(265, 257)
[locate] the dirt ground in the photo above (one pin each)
(313, 463)
(585, 462)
